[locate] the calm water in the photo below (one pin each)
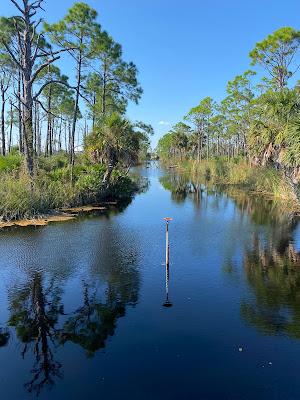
(81, 303)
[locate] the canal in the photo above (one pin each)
(83, 303)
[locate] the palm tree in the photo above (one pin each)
(116, 141)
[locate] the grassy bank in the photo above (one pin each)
(240, 174)
(53, 188)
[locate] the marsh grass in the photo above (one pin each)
(240, 174)
(52, 187)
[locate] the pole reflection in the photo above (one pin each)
(167, 302)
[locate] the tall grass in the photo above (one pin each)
(18, 200)
(52, 187)
(240, 174)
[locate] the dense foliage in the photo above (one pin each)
(64, 143)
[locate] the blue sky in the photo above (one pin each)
(185, 50)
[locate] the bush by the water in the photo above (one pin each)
(53, 187)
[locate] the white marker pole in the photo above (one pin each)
(167, 241)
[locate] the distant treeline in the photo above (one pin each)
(256, 121)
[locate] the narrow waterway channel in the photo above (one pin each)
(82, 312)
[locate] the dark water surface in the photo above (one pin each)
(81, 303)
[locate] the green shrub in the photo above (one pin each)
(10, 162)
(53, 188)
(121, 186)
(57, 161)
(89, 183)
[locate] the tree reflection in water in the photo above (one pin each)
(181, 188)
(34, 315)
(95, 320)
(41, 325)
(4, 337)
(271, 265)
(271, 261)
(274, 277)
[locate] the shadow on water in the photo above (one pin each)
(4, 337)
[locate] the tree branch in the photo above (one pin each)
(17, 6)
(53, 53)
(48, 111)
(36, 49)
(36, 4)
(49, 83)
(18, 34)
(34, 31)
(43, 66)
(12, 55)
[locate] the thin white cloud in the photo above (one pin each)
(164, 123)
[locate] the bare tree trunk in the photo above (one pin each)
(38, 130)
(112, 162)
(199, 146)
(70, 138)
(10, 126)
(49, 121)
(20, 107)
(35, 127)
(28, 95)
(207, 146)
(104, 89)
(94, 111)
(65, 134)
(28, 126)
(72, 147)
(59, 134)
(3, 121)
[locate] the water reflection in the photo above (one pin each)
(69, 285)
(94, 321)
(45, 313)
(181, 188)
(34, 313)
(271, 265)
(4, 337)
(272, 272)
(167, 302)
(270, 259)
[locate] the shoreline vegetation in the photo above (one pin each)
(239, 175)
(55, 196)
(62, 144)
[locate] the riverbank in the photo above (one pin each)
(56, 186)
(239, 174)
(62, 215)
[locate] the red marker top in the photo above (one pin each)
(168, 219)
